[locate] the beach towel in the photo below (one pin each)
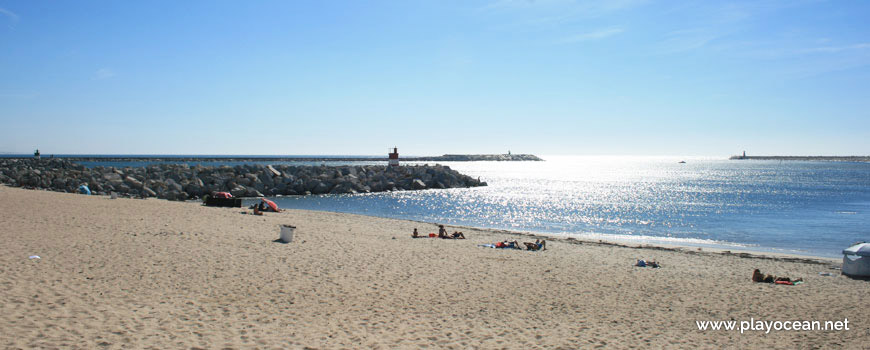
(488, 245)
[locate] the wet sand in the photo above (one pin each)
(154, 274)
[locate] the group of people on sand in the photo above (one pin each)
(260, 208)
(759, 277)
(442, 233)
(647, 263)
(538, 244)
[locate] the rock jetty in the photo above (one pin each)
(182, 181)
(805, 158)
(476, 157)
(179, 159)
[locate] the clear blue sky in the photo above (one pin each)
(432, 77)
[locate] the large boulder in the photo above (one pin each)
(321, 188)
(147, 192)
(133, 182)
(173, 185)
(418, 184)
(238, 191)
(113, 178)
(252, 192)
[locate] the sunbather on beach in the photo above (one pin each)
(786, 279)
(757, 276)
(458, 235)
(645, 263)
(538, 245)
(415, 234)
(442, 233)
(508, 245)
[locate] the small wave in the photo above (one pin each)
(656, 239)
(846, 212)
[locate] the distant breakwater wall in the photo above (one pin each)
(182, 182)
(806, 158)
(443, 158)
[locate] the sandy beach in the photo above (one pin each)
(154, 274)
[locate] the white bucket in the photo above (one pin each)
(287, 233)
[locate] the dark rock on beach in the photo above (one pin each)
(182, 182)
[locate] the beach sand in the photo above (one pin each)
(154, 274)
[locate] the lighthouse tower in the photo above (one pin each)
(394, 157)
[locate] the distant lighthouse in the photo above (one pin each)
(394, 157)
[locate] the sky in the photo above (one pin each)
(606, 77)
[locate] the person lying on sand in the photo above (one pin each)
(645, 263)
(538, 245)
(786, 279)
(508, 245)
(458, 235)
(757, 276)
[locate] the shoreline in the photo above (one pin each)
(134, 273)
(688, 249)
(566, 237)
(692, 249)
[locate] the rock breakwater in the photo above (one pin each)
(442, 158)
(182, 182)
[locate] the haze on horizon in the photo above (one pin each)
(613, 77)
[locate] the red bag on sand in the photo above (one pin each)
(499, 245)
(431, 235)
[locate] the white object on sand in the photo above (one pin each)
(856, 260)
(287, 233)
(34, 257)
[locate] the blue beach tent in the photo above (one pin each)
(83, 189)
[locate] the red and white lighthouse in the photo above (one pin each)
(394, 157)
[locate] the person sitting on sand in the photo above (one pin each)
(415, 234)
(538, 245)
(458, 235)
(442, 233)
(759, 277)
(257, 210)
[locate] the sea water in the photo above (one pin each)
(802, 207)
